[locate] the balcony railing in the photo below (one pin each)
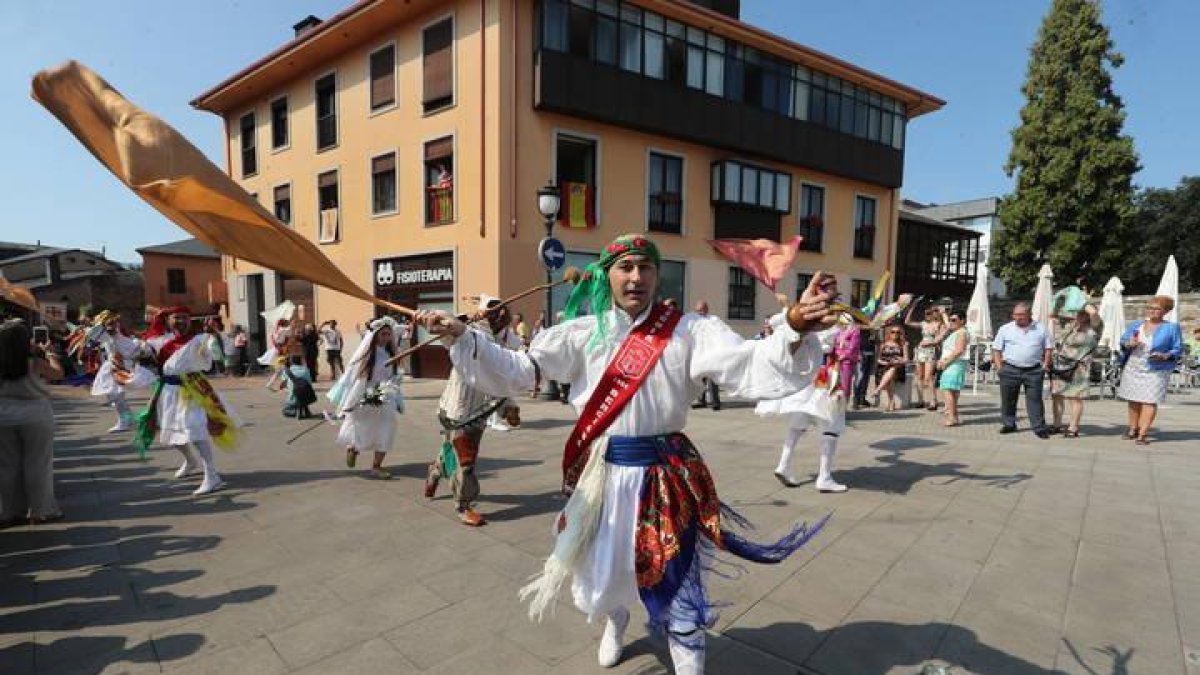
(812, 229)
(666, 213)
(439, 205)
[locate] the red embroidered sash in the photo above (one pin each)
(624, 376)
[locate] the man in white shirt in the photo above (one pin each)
(1021, 355)
(332, 337)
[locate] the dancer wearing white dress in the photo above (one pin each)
(643, 508)
(367, 396)
(276, 355)
(821, 404)
(119, 370)
(184, 408)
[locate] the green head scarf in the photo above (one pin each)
(594, 287)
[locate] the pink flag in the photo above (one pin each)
(762, 259)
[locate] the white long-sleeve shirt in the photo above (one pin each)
(701, 347)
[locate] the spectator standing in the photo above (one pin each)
(1150, 349)
(241, 345)
(953, 365)
(710, 394)
(26, 427)
(1072, 373)
(332, 338)
(1021, 354)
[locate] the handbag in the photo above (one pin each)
(1064, 368)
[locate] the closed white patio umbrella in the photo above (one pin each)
(1112, 313)
(1169, 286)
(1042, 296)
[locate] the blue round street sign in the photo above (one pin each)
(552, 253)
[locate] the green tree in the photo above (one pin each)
(1165, 223)
(1073, 166)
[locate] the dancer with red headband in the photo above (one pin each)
(643, 514)
(119, 371)
(184, 408)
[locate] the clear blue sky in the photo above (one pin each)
(972, 54)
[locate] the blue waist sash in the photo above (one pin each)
(171, 379)
(639, 450)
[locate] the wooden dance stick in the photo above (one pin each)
(411, 350)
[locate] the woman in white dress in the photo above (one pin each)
(1150, 349)
(368, 397)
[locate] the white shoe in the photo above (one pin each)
(209, 486)
(788, 481)
(501, 426)
(830, 485)
(686, 660)
(188, 468)
(119, 427)
(612, 643)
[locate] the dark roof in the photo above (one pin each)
(46, 252)
(906, 214)
(186, 247)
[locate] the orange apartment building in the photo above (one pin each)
(409, 139)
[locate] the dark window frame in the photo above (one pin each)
(278, 124)
(593, 148)
(741, 295)
(440, 206)
(286, 216)
(438, 100)
(327, 135)
(803, 279)
(329, 197)
(810, 222)
(664, 209)
(176, 281)
(249, 151)
(385, 104)
(376, 193)
(865, 228)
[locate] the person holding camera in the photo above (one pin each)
(1149, 351)
(26, 427)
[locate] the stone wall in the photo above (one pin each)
(1135, 308)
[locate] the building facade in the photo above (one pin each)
(186, 272)
(70, 283)
(409, 140)
(980, 215)
(936, 259)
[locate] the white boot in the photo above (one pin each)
(825, 481)
(687, 659)
(212, 480)
(190, 466)
(784, 470)
(613, 641)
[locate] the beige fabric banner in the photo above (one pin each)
(173, 176)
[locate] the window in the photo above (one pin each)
(631, 38)
(576, 174)
(664, 192)
(283, 204)
(741, 295)
(383, 78)
(803, 279)
(383, 184)
(554, 25)
(328, 216)
(438, 61)
(279, 123)
(811, 225)
(580, 23)
(864, 227)
(439, 181)
(176, 281)
(249, 153)
(326, 100)
(860, 292)
(671, 281)
(745, 184)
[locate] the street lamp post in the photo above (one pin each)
(548, 205)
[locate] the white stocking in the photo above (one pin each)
(189, 463)
(688, 659)
(789, 448)
(207, 461)
(825, 482)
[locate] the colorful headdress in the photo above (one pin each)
(104, 317)
(158, 326)
(594, 286)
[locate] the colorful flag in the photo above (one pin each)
(765, 260)
(578, 207)
(163, 168)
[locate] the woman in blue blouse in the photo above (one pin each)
(1150, 349)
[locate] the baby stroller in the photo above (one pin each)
(1106, 371)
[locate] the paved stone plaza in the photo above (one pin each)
(955, 547)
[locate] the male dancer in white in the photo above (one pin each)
(120, 370)
(641, 496)
(821, 404)
(184, 408)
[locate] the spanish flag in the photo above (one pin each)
(163, 168)
(578, 206)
